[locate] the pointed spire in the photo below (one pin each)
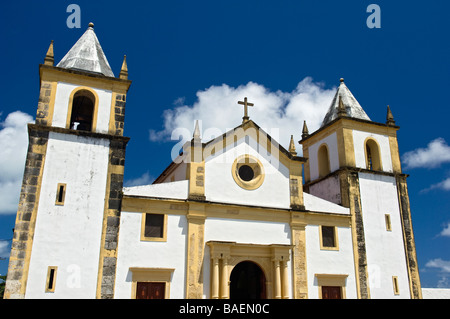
(50, 57)
(292, 146)
(87, 55)
(196, 136)
(124, 70)
(389, 117)
(344, 101)
(305, 132)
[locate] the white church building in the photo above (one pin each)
(235, 217)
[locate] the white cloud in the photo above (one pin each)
(444, 185)
(446, 231)
(218, 111)
(443, 265)
(145, 179)
(13, 150)
(436, 153)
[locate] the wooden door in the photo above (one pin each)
(329, 292)
(150, 290)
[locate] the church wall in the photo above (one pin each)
(329, 189)
(331, 141)
(385, 249)
(330, 262)
(134, 252)
(68, 236)
(359, 139)
(63, 92)
(221, 187)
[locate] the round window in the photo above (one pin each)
(247, 172)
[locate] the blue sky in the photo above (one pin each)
(191, 59)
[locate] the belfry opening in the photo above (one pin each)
(247, 281)
(82, 111)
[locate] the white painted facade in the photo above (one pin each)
(68, 236)
(385, 249)
(221, 187)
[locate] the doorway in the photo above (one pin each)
(247, 281)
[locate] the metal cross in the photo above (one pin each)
(245, 103)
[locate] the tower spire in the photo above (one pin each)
(292, 146)
(305, 132)
(124, 70)
(50, 57)
(389, 117)
(196, 136)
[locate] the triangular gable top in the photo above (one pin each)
(351, 106)
(225, 142)
(87, 55)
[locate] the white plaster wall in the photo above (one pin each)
(385, 249)
(221, 187)
(63, 91)
(331, 141)
(132, 252)
(328, 189)
(333, 262)
(360, 155)
(69, 236)
(244, 232)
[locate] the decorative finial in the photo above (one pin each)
(341, 108)
(292, 146)
(49, 57)
(389, 117)
(305, 132)
(91, 25)
(342, 80)
(196, 136)
(124, 70)
(245, 103)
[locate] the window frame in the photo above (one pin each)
(164, 228)
(50, 270)
(58, 193)
(335, 234)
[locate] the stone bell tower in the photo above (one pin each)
(354, 161)
(66, 231)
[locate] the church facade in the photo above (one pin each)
(239, 216)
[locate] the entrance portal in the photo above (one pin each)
(247, 281)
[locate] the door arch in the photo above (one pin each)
(247, 281)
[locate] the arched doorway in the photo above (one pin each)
(247, 281)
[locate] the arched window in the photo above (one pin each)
(373, 158)
(323, 160)
(82, 111)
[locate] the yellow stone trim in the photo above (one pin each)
(323, 164)
(257, 167)
(141, 274)
(70, 106)
(55, 74)
(61, 187)
(395, 154)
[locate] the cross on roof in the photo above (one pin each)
(246, 104)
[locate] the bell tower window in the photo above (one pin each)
(373, 160)
(82, 115)
(323, 160)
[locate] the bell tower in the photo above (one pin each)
(67, 223)
(355, 162)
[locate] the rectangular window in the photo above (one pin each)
(51, 279)
(395, 284)
(150, 290)
(328, 237)
(60, 194)
(154, 227)
(387, 218)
